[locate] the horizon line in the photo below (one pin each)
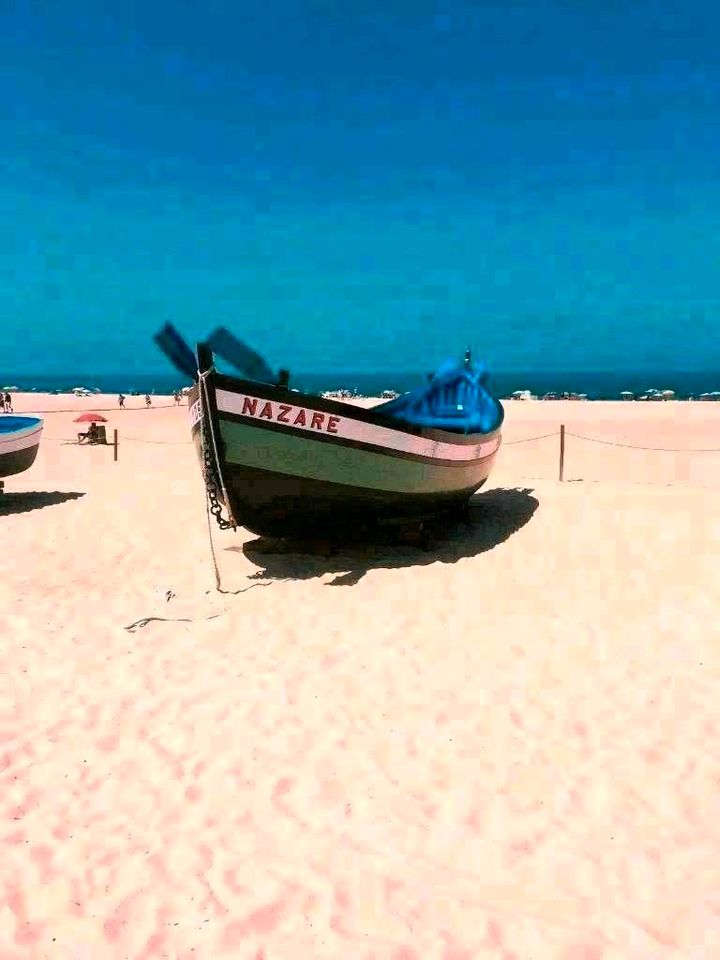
(656, 368)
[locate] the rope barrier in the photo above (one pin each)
(73, 441)
(633, 446)
(168, 443)
(157, 406)
(544, 436)
(506, 443)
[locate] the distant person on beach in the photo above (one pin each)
(121, 401)
(148, 401)
(2, 403)
(8, 403)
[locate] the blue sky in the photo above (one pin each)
(361, 185)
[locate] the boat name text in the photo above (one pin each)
(289, 414)
(195, 413)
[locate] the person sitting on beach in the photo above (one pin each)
(91, 434)
(2, 403)
(147, 400)
(121, 401)
(8, 403)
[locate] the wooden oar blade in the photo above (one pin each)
(238, 354)
(176, 350)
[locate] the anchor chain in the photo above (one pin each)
(210, 485)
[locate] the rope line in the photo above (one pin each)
(506, 443)
(157, 406)
(634, 446)
(169, 443)
(216, 569)
(144, 621)
(544, 436)
(73, 441)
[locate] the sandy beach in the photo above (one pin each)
(507, 748)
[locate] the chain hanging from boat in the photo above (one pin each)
(211, 487)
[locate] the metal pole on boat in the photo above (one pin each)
(115, 445)
(562, 450)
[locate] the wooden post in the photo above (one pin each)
(115, 445)
(562, 450)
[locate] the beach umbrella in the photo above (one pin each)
(90, 418)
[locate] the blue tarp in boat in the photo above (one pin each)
(455, 399)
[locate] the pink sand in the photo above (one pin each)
(507, 749)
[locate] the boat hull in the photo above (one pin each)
(296, 465)
(19, 444)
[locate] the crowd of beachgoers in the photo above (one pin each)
(647, 395)
(650, 395)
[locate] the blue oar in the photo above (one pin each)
(177, 351)
(238, 354)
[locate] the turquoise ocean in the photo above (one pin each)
(598, 385)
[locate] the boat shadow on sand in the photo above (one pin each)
(24, 502)
(494, 517)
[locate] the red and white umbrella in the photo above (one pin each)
(90, 418)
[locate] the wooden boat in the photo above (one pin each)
(19, 443)
(290, 464)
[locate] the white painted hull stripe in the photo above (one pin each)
(346, 428)
(20, 441)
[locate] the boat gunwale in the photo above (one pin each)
(29, 424)
(267, 391)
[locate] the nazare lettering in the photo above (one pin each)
(195, 413)
(289, 414)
